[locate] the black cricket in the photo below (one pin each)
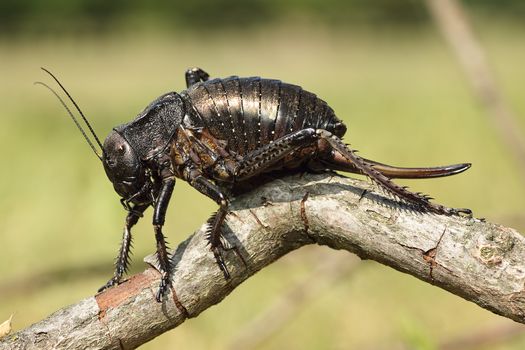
(222, 135)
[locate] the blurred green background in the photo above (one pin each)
(382, 66)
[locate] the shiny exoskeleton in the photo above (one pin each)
(221, 134)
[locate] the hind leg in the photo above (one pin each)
(266, 156)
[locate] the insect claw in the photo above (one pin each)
(160, 292)
(220, 262)
(463, 212)
(113, 281)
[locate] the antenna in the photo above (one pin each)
(76, 106)
(73, 117)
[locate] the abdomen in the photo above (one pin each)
(250, 112)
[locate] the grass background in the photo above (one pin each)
(400, 92)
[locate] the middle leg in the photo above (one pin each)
(214, 233)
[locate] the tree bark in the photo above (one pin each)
(479, 261)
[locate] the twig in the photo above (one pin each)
(455, 27)
(479, 261)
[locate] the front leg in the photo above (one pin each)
(122, 261)
(161, 205)
(195, 75)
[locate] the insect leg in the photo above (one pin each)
(195, 75)
(262, 158)
(159, 215)
(421, 201)
(211, 190)
(122, 261)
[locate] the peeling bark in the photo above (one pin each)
(479, 261)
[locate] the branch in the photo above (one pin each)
(479, 261)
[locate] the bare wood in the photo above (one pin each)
(455, 27)
(479, 261)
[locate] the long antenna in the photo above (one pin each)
(72, 117)
(76, 106)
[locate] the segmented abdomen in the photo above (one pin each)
(250, 112)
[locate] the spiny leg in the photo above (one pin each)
(211, 190)
(214, 237)
(123, 259)
(264, 157)
(159, 215)
(195, 75)
(252, 164)
(421, 201)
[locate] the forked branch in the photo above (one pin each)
(479, 261)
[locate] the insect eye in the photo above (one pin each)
(121, 149)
